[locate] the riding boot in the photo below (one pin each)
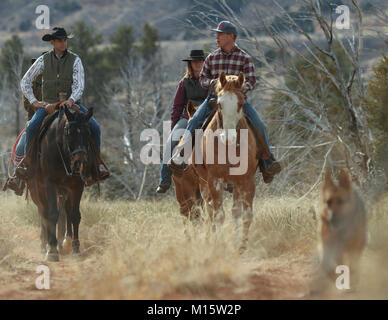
(15, 184)
(23, 171)
(162, 188)
(101, 171)
(268, 167)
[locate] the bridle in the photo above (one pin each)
(78, 150)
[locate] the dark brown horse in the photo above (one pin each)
(62, 155)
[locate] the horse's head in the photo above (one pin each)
(230, 102)
(191, 108)
(76, 138)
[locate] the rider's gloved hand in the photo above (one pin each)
(50, 108)
(67, 103)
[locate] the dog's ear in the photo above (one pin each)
(328, 181)
(241, 79)
(190, 108)
(222, 79)
(344, 180)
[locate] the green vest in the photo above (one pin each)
(57, 75)
(194, 91)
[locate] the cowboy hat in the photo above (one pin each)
(59, 33)
(196, 55)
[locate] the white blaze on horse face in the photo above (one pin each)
(230, 116)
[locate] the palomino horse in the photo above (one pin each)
(62, 155)
(229, 118)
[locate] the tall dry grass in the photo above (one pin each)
(140, 250)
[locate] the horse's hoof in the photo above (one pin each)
(53, 257)
(242, 249)
(76, 255)
(67, 246)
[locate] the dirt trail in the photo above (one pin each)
(276, 278)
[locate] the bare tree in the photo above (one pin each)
(137, 98)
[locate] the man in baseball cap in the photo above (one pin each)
(232, 60)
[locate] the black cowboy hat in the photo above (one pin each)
(196, 55)
(59, 33)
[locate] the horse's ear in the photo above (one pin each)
(344, 180)
(69, 115)
(222, 79)
(190, 108)
(89, 114)
(328, 182)
(241, 79)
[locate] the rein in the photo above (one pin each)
(68, 173)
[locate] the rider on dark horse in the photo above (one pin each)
(62, 75)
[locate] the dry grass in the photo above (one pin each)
(139, 250)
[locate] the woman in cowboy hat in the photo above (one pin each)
(189, 88)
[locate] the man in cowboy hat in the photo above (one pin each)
(62, 75)
(232, 60)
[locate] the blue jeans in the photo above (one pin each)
(172, 142)
(203, 111)
(41, 113)
(19, 151)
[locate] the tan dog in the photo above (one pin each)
(342, 227)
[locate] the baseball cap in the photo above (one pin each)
(227, 27)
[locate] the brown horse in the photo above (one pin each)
(62, 155)
(187, 187)
(223, 141)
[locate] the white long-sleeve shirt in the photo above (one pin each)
(77, 88)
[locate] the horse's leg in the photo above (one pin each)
(237, 209)
(247, 193)
(217, 215)
(61, 221)
(68, 209)
(43, 231)
(76, 218)
(51, 192)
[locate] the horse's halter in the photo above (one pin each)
(81, 145)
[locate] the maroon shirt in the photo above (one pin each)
(178, 105)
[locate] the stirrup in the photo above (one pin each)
(18, 188)
(22, 172)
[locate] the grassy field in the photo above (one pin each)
(140, 250)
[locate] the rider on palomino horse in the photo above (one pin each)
(232, 60)
(62, 74)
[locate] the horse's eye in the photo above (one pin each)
(329, 202)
